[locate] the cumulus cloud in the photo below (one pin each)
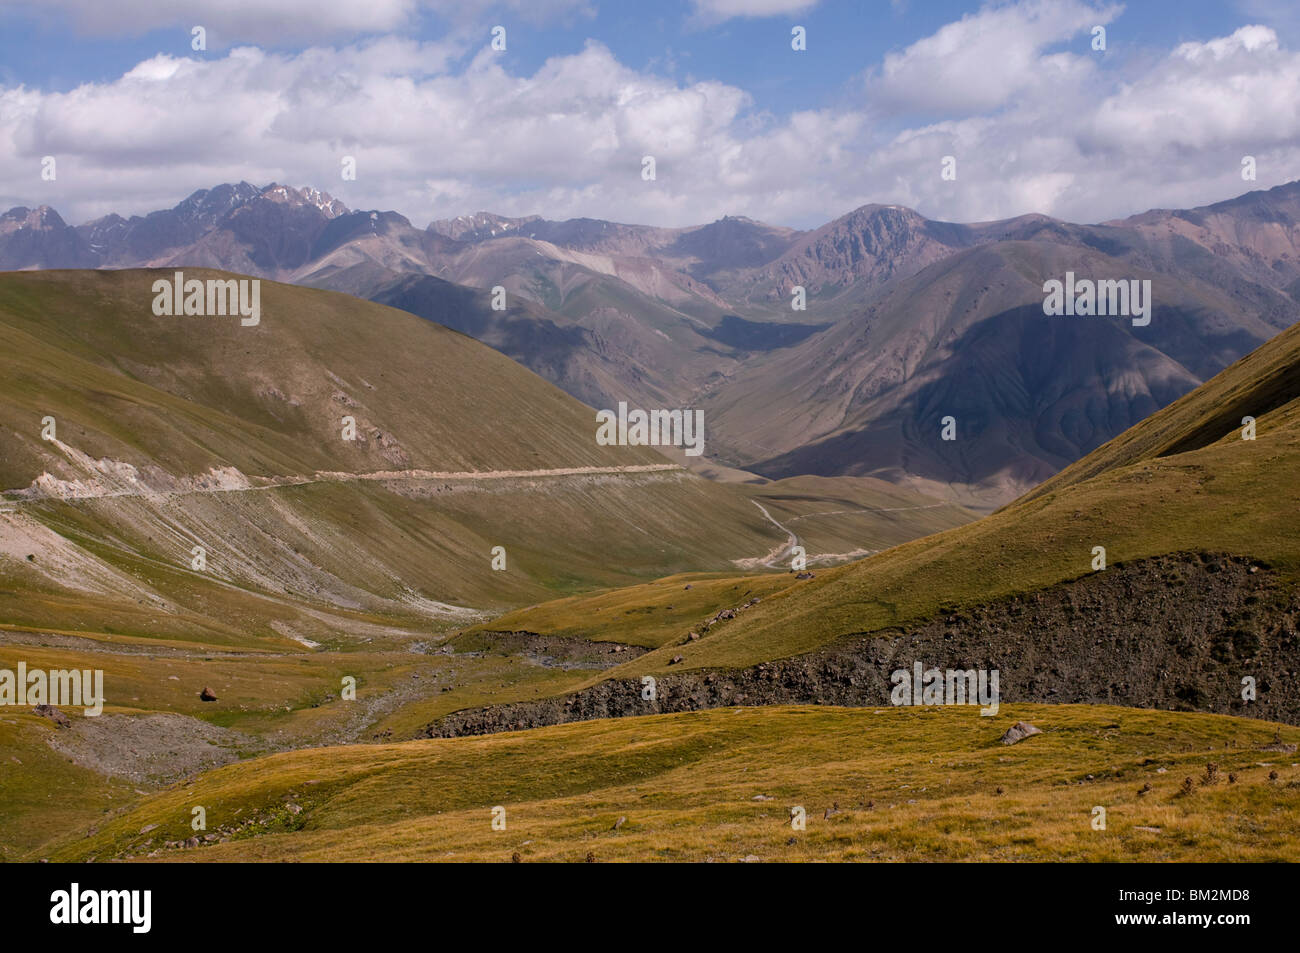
(1241, 88)
(981, 61)
(437, 134)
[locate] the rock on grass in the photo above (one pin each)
(1019, 732)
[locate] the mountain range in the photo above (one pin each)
(908, 321)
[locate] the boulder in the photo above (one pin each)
(1019, 732)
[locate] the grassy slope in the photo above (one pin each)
(274, 700)
(42, 794)
(185, 394)
(1227, 495)
(367, 546)
(1231, 496)
(911, 784)
(650, 615)
(833, 516)
(189, 393)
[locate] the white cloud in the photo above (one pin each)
(984, 59)
(1238, 91)
(530, 11)
(1282, 15)
(436, 136)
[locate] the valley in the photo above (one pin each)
(133, 442)
(355, 577)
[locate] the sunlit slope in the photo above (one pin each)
(190, 393)
(1229, 495)
(277, 558)
(649, 615)
(841, 517)
(875, 784)
(832, 518)
(173, 433)
(154, 728)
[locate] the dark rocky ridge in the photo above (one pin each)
(551, 651)
(1172, 632)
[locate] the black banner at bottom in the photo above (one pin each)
(136, 904)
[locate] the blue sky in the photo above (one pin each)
(884, 90)
(53, 51)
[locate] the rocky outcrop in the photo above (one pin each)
(1173, 632)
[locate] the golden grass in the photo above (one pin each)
(911, 784)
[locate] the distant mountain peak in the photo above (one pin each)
(42, 217)
(330, 206)
(877, 210)
(481, 226)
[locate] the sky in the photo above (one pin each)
(438, 123)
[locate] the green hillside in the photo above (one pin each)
(177, 432)
(1226, 496)
(190, 393)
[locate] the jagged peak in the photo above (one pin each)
(288, 195)
(42, 216)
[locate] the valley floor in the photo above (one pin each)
(890, 784)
